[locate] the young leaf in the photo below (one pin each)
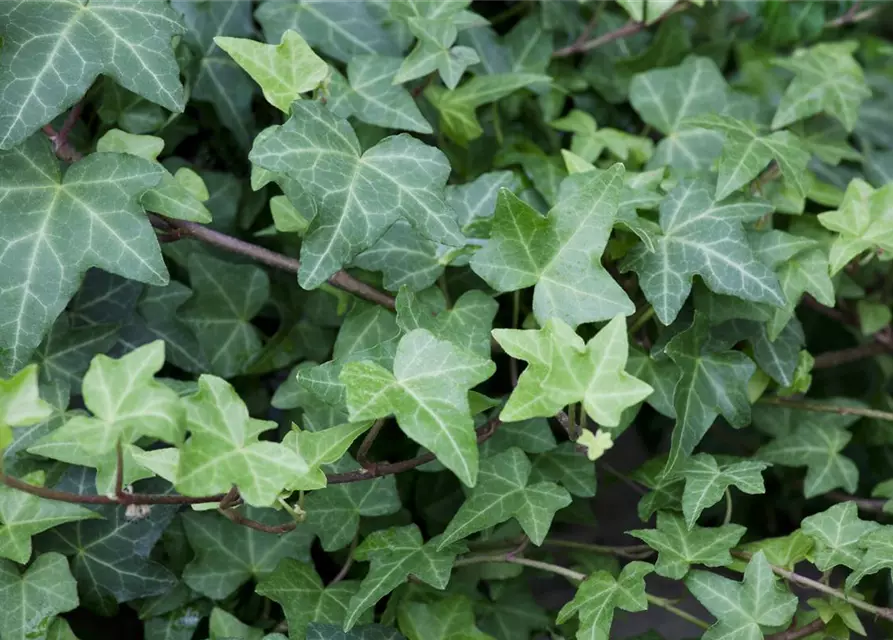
(564, 370)
(837, 533)
(862, 222)
(526, 249)
(43, 76)
(878, 545)
(680, 546)
(45, 589)
(706, 481)
(361, 194)
(504, 492)
(20, 401)
(434, 52)
(428, 394)
(318, 448)
(452, 617)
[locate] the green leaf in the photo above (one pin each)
(743, 609)
(784, 551)
(680, 546)
(466, 325)
(451, 617)
(320, 631)
(224, 625)
(66, 350)
(43, 268)
(395, 554)
(563, 370)
(228, 555)
(303, 597)
(45, 589)
(706, 482)
(43, 76)
(837, 533)
(283, 71)
(20, 401)
(747, 151)
(826, 79)
(434, 52)
(877, 544)
(513, 613)
(564, 465)
(318, 448)
(702, 237)
(428, 394)
(601, 593)
(862, 222)
(504, 491)
(224, 450)
(405, 258)
(526, 249)
(361, 194)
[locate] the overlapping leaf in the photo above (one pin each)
(837, 533)
(34, 597)
(706, 482)
(863, 221)
(466, 324)
(452, 617)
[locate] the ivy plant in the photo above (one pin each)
(420, 320)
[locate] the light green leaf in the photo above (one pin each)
(395, 554)
(559, 254)
(747, 151)
(706, 482)
(785, 551)
(702, 237)
(600, 594)
(743, 609)
(299, 590)
(434, 52)
(680, 546)
(228, 555)
(224, 450)
(117, 141)
(283, 71)
(466, 325)
(873, 316)
(504, 492)
(564, 370)
(43, 76)
(361, 194)
(45, 589)
(877, 544)
(837, 533)
(318, 448)
(20, 401)
(428, 394)
(42, 267)
(826, 79)
(863, 221)
(451, 617)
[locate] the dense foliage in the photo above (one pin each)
(322, 319)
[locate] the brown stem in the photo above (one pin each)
(363, 452)
(802, 632)
(123, 499)
(347, 563)
(869, 505)
(831, 359)
(119, 470)
(236, 517)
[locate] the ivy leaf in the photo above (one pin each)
(296, 586)
(702, 237)
(370, 95)
(395, 554)
(513, 613)
(743, 609)
(320, 631)
(504, 492)
(563, 370)
(826, 79)
(405, 258)
(224, 625)
(228, 555)
(680, 546)
(20, 401)
(878, 545)
(837, 533)
(66, 350)
(223, 449)
(862, 222)
(451, 617)
(711, 384)
(466, 325)
(361, 194)
(434, 52)
(43, 76)
(226, 299)
(526, 249)
(746, 152)
(475, 201)
(45, 589)
(318, 448)
(42, 268)
(566, 466)
(283, 71)
(428, 394)
(601, 593)
(706, 482)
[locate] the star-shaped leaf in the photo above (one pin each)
(680, 546)
(395, 554)
(560, 254)
(706, 482)
(837, 533)
(296, 586)
(743, 609)
(224, 450)
(42, 76)
(428, 394)
(283, 71)
(41, 267)
(863, 221)
(600, 594)
(228, 555)
(826, 79)
(318, 448)
(45, 589)
(563, 370)
(504, 492)
(703, 237)
(451, 617)
(467, 324)
(747, 151)
(434, 52)
(711, 384)
(360, 195)
(877, 544)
